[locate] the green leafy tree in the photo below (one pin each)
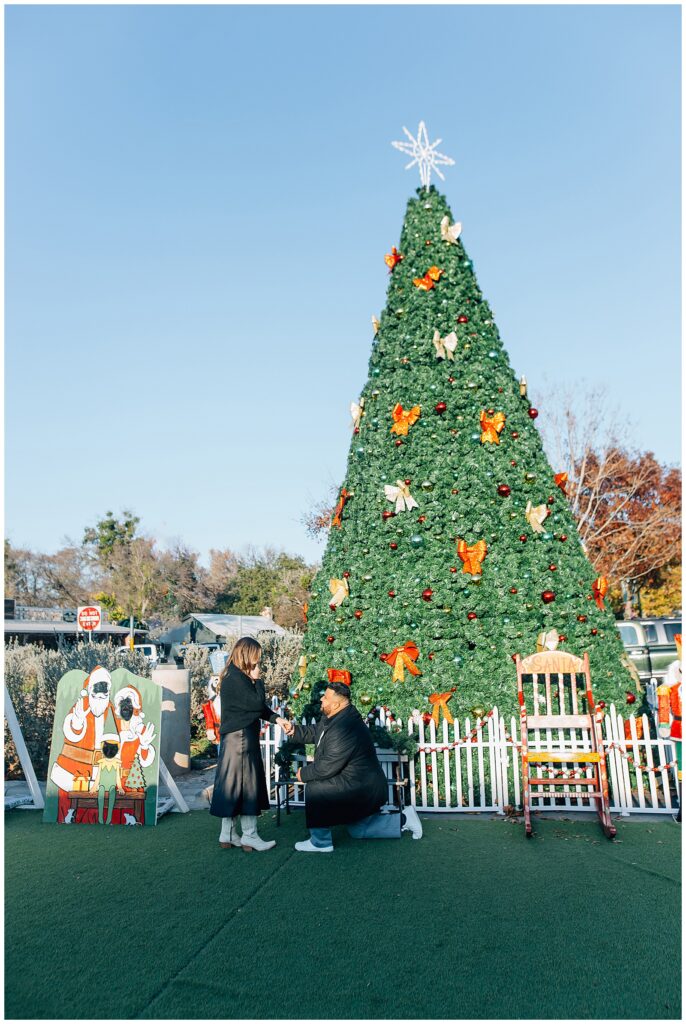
(472, 475)
(110, 532)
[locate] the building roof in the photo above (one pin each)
(50, 626)
(237, 625)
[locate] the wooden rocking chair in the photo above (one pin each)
(563, 705)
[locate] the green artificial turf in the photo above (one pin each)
(473, 921)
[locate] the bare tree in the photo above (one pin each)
(627, 506)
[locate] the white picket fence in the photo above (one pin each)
(481, 771)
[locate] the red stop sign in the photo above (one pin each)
(89, 618)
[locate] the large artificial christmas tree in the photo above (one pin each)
(452, 545)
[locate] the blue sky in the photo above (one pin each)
(198, 200)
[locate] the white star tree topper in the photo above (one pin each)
(424, 154)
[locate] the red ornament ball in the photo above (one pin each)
(594, 632)
(358, 614)
(440, 408)
(630, 697)
(548, 596)
(421, 519)
(426, 718)
(522, 537)
(514, 435)
(551, 500)
(398, 443)
(356, 430)
(391, 593)
(563, 637)
(513, 462)
(471, 616)
(330, 639)
(533, 413)
(408, 482)
(503, 490)
(346, 574)
(463, 319)
(427, 594)
(453, 568)
(393, 546)
(451, 380)
(602, 704)
(387, 514)
(552, 567)
(581, 618)
(563, 536)
(513, 590)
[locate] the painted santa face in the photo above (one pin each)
(99, 698)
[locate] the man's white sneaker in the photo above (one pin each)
(412, 823)
(307, 846)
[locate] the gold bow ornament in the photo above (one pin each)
(599, 591)
(450, 232)
(400, 494)
(339, 591)
(445, 347)
(403, 419)
(535, 516)
(472, 556)
(491, 427)
(402, 658)
(357, 412)
(440, 703)
(302, 665)
(338, 511)
(547, 641)
(376, 323)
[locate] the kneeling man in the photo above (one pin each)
(345, 782)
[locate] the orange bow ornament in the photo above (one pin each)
(402, 658)
(305, 607)
(491, 427)
(472, 556)
(561, 481)
(440, 703)
(393, 258)
(599, 591)
(428, 281)
(404, 418)
(337, 512)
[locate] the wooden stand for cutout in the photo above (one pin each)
(35, 801)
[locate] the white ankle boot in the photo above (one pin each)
(250, 839)
(228, 836)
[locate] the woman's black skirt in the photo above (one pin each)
(240, 786)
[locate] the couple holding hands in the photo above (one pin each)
(345, 782)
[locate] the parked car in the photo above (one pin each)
(650, 645)
(149, 651)
(180, 652)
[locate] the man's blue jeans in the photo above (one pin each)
(376, 826)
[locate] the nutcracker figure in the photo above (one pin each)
(212, 711)
(669, 710)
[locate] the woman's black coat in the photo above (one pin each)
(345, 782)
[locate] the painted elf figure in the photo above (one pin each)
(107, 778)
(212, 710)
(669, 710)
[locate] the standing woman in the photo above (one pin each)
(240, 787)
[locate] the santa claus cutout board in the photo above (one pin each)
(104, 757)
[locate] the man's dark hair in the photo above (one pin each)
(340, 688)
